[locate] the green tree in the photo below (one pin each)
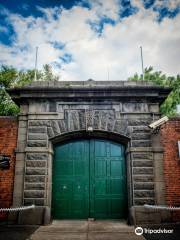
(11, 77)
(168, 108)
(8, 78)
(48, 73)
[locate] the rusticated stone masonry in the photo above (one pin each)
(52, 112)
(40, 132)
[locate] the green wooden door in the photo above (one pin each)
(107, 180)
(71, 180)
(89, 180)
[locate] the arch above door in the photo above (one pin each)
(114, 136)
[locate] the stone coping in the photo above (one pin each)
(90, 85)
(89, 90)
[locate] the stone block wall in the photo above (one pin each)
(122, 119)
(52, 112)
(170, 135)
(8, 140)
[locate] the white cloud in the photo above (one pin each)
(108, 8)
(168, 3)
(116, 50)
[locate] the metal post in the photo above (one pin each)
(35, 69)
(142, 63)
(108, 72)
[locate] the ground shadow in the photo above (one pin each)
(12, 232)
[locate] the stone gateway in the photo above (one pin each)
(85, 150)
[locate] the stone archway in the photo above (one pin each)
(55, 112)
(114, 136)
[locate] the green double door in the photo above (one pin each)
(89, 180)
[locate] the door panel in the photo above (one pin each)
(71, 180)
(107, 180)
(89, 180)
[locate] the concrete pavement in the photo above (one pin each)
(71, 230)
(87, 230)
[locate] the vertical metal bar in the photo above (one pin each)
(35, 68)
(108, 72)
(142, 65)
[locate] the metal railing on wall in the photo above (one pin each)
(22, 208)
(161, 207)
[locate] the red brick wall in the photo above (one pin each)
(170, 134)
(8, 139)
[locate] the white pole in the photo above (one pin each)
(108, 73)
(35, 69)
(142, 65)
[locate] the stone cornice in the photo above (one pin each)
(90, 90)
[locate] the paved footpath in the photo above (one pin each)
(77, 230)
(71, 230)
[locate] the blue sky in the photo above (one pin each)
(85, 39)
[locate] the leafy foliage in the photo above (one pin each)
(168, 108)
(11, 77)
(47, 74)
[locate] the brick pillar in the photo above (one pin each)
(8, 139)
(170, 134)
